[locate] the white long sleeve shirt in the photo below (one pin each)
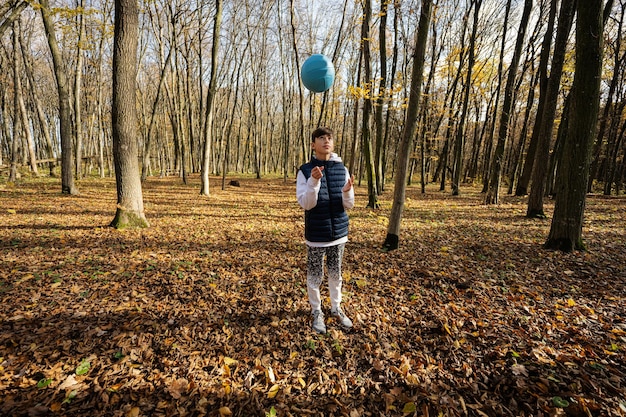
(307, 192)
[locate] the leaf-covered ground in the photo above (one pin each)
(205, 313)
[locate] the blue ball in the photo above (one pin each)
(318, 73)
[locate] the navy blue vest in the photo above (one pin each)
(328, 220)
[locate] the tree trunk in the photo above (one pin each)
(78, 80)
(566, 228)
(459, 142)
(16, 9)
(41, 117)
(130, 213)
(145, 166)
(65, 116)
(13, 174)
(537, 192)
(408, 132)
(19, 96)
(493, 191)
(208, 123)
(301, 95)
(618, 60)
(524, 179)
(382, 94)
(368, 154)
(496, 103)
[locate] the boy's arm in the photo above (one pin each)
(348, 192)
(306, 191)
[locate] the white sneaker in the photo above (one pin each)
(341, 317)
(318, 322)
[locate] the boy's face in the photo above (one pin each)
(323, 146)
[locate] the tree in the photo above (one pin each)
(78, 80)
(459, 142)
(208, 123)
(9, 12)
(65, 115)
(408, 131)
(368, 153)
(540, 170)
(493, 191)
(544, 58)
(566, 228)
(130, 213)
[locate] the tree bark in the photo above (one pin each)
(65, 115)
(538, 187)
(130, 211)
(566, 228)
(408, 132)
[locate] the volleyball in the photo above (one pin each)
(318, 73)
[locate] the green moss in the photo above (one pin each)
(125, 219)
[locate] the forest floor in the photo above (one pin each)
(206, 313)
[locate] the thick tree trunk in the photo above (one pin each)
(566, 228)
(130, 212)
(65, 115)
(408, 132)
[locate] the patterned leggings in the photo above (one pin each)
(315, 274)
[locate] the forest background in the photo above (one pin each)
(493, 113)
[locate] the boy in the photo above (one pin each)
(325, 191)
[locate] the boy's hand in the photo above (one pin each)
(348, 185)
(317, 172)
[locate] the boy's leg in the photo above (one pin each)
(315, 276)
(334, 257)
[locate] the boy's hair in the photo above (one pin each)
(321, 131)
